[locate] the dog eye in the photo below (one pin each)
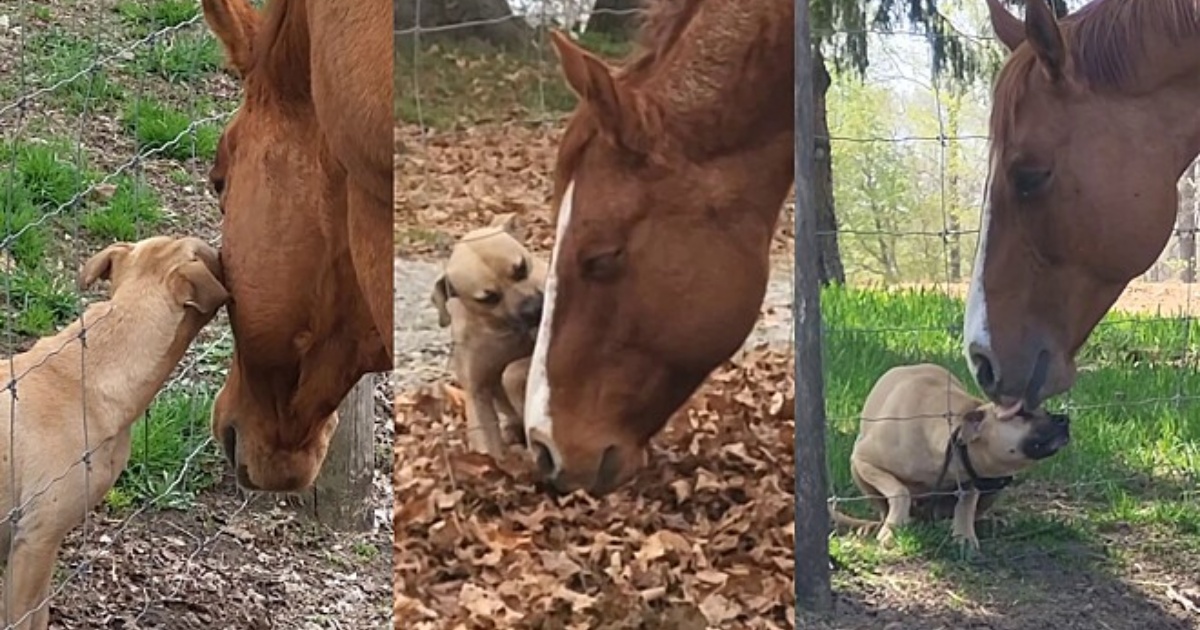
(521, 270)
(1030, 181)
(489, 297)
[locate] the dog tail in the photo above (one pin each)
(845, 520)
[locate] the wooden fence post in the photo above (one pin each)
(341, 496)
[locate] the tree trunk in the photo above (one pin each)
(830, 270)
(491, 21)
(341, 496)
(614, 18)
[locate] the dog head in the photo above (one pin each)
(187, 271)
(1005, 444)
(494, 277)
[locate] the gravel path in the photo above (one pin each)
(423, 348)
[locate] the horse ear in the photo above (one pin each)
(1043, 34)
(592, 81)
(1009, 30)
(235, 23)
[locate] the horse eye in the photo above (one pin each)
(603, 266)
(490, 298)
(521, 271)
(219, 186)
(1030, 181)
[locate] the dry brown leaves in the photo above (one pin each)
(449, 183)
(702, 539)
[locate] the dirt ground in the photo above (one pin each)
(1168, 299)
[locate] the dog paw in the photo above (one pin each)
(967, 543)
(886, 536)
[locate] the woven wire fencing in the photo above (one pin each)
(909, 164)
(109, 118)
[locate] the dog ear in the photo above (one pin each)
(100, 266)
(199, 288)
(510, 223)
(442, 292)
(972, 424)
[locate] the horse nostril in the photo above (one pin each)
(229, 444)
(985, 372)
(545, 459)
(610, 467)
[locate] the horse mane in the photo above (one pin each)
(659, 29)
(282, 53)
(1106, 40)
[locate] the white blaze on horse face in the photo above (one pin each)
(975, 322)
(537, 387)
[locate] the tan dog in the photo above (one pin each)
(164, 290)
(922, 433)
(491, 297)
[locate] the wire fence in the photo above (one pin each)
(109, 115)
(908, 156)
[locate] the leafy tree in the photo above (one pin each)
(841, 31)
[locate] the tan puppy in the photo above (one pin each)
(922, 433)
(164, 291)
(491, 297)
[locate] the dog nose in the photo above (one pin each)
(985, 371)
(530, 310)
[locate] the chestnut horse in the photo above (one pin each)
(669, 183)
(304, 176)
(1093, 121)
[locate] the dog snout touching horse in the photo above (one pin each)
(303, 172)
(1093, 121)
(70, 397)
(669, 182)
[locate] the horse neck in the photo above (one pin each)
(727, 84)
(1168, 89)
(126, 356)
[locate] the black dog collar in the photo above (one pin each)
(984, 485)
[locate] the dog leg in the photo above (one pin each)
(963, 531)
(483, 425)
(898, 497)
(27, 578)
(511, 426)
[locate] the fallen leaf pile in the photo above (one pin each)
(449, 183)
(703, 538)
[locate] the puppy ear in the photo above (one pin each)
(198, 288)
(510, 223)
(100, 266)
(442, 292)
(972, 424)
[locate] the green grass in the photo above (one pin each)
(133, 210)
(145, 16)
(39, 301)
(180, 59)
(155, 125)
(54, 56)
(1134, 460)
